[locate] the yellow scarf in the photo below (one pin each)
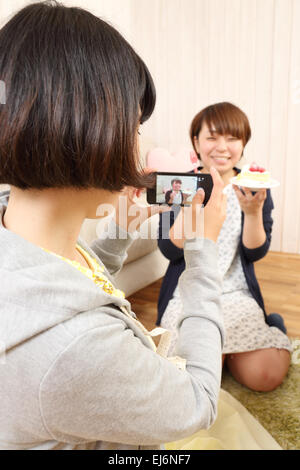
(95, 272)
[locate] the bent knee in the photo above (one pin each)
(265, 379)
(262, 371)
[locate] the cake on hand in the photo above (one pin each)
(255, 177)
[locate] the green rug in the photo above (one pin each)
(278, 411)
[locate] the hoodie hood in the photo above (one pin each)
(38, 290)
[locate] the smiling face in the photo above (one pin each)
(221, 151)
(176, 186)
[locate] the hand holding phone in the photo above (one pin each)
(129, 214)
(214, 214)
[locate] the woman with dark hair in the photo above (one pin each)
(257, 349)
(80, 372)
(175, 195)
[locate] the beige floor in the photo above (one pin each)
(279, 278)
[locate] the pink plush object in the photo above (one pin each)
(183, 160)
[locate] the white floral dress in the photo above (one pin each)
(245, 326)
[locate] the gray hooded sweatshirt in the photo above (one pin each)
(77, 373)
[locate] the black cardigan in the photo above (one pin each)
(177, 263)
(167, 196)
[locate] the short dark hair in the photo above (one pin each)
(76, 92)
(175, 181)
(226, 118)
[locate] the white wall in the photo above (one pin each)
(244, 51)
(205, 51)
(116, 12)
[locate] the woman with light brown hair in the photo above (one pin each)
(80, 371)
(257, 349)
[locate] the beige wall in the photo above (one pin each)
(243, 51)
(204, 51)
(118, 12)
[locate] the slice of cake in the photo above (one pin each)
(253, 174)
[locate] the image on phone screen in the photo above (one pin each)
(178, 188)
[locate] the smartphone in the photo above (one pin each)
(179, 188)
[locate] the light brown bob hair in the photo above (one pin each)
(76, 92)
(225, 118)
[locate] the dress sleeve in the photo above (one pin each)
(256, 254)
(167, 197)
(112, 247)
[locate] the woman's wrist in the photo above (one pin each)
(254, 215)
(254, 234)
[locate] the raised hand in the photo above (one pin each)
(250, 204)
(190, 224)
(129, 213)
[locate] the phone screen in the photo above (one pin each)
(179, 188)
